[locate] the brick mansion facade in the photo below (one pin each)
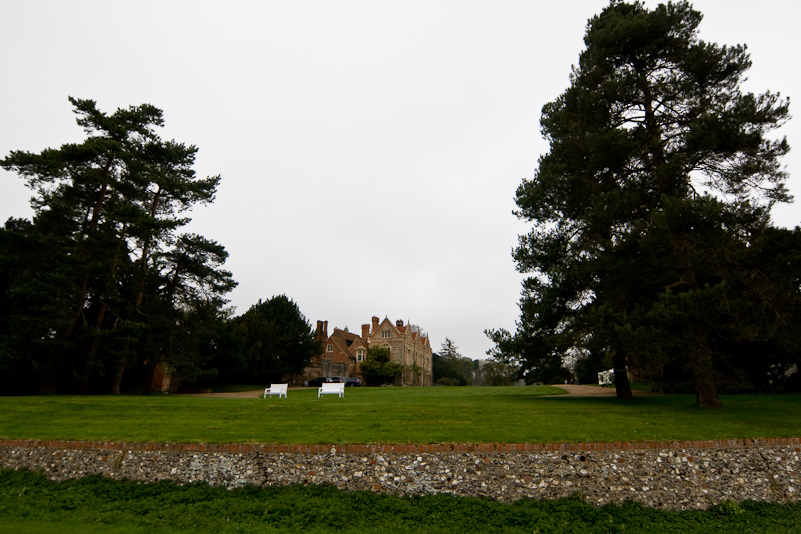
(343, 351)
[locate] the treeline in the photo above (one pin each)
(450, 368)
(102, 288)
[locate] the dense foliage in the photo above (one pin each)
(378, 367)
(268, 343)
(652, 249)
(95, 504)
(450, 368)
(498, 373)
(100, 288)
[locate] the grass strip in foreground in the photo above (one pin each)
(30, 503)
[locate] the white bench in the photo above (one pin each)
(331, 388)
(276, 389)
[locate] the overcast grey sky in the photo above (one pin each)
(369, 150)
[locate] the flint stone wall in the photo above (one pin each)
(677, 475)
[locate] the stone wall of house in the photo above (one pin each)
(670, 475)
(407, 348)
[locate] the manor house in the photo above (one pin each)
(343, 351)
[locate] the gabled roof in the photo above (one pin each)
(398, 329)
(348, 336)
(347, 342)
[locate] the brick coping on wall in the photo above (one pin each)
(398, 447)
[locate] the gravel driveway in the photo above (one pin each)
(595, 391)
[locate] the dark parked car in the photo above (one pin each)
(317, 382)
(352, 382)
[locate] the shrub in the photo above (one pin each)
(445, 381)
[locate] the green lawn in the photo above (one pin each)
(398, 415)
(31, 504)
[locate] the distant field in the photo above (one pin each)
(397, 415)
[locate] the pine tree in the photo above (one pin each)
(657, 161)
(109, 208)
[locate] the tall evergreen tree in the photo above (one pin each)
(108, 207)
(658, 161)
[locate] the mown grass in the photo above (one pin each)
(31, 504)
(397, 415)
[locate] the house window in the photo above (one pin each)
(330, 348)
(360, 355)
(385, 333)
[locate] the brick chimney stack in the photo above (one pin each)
(399, 323)
(325, 329)
(365, 332)
(375, 323)
(318, 334)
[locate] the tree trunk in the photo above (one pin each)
(152, 365)
(90, 360)
(52, 372)
(146, 251)
(55, 362)
(701, 364)
(707, 395)
(704, 373)
(150, 374)
(622, 385)
(116, 383)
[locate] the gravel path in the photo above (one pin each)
(236, 395)
(595, 391)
